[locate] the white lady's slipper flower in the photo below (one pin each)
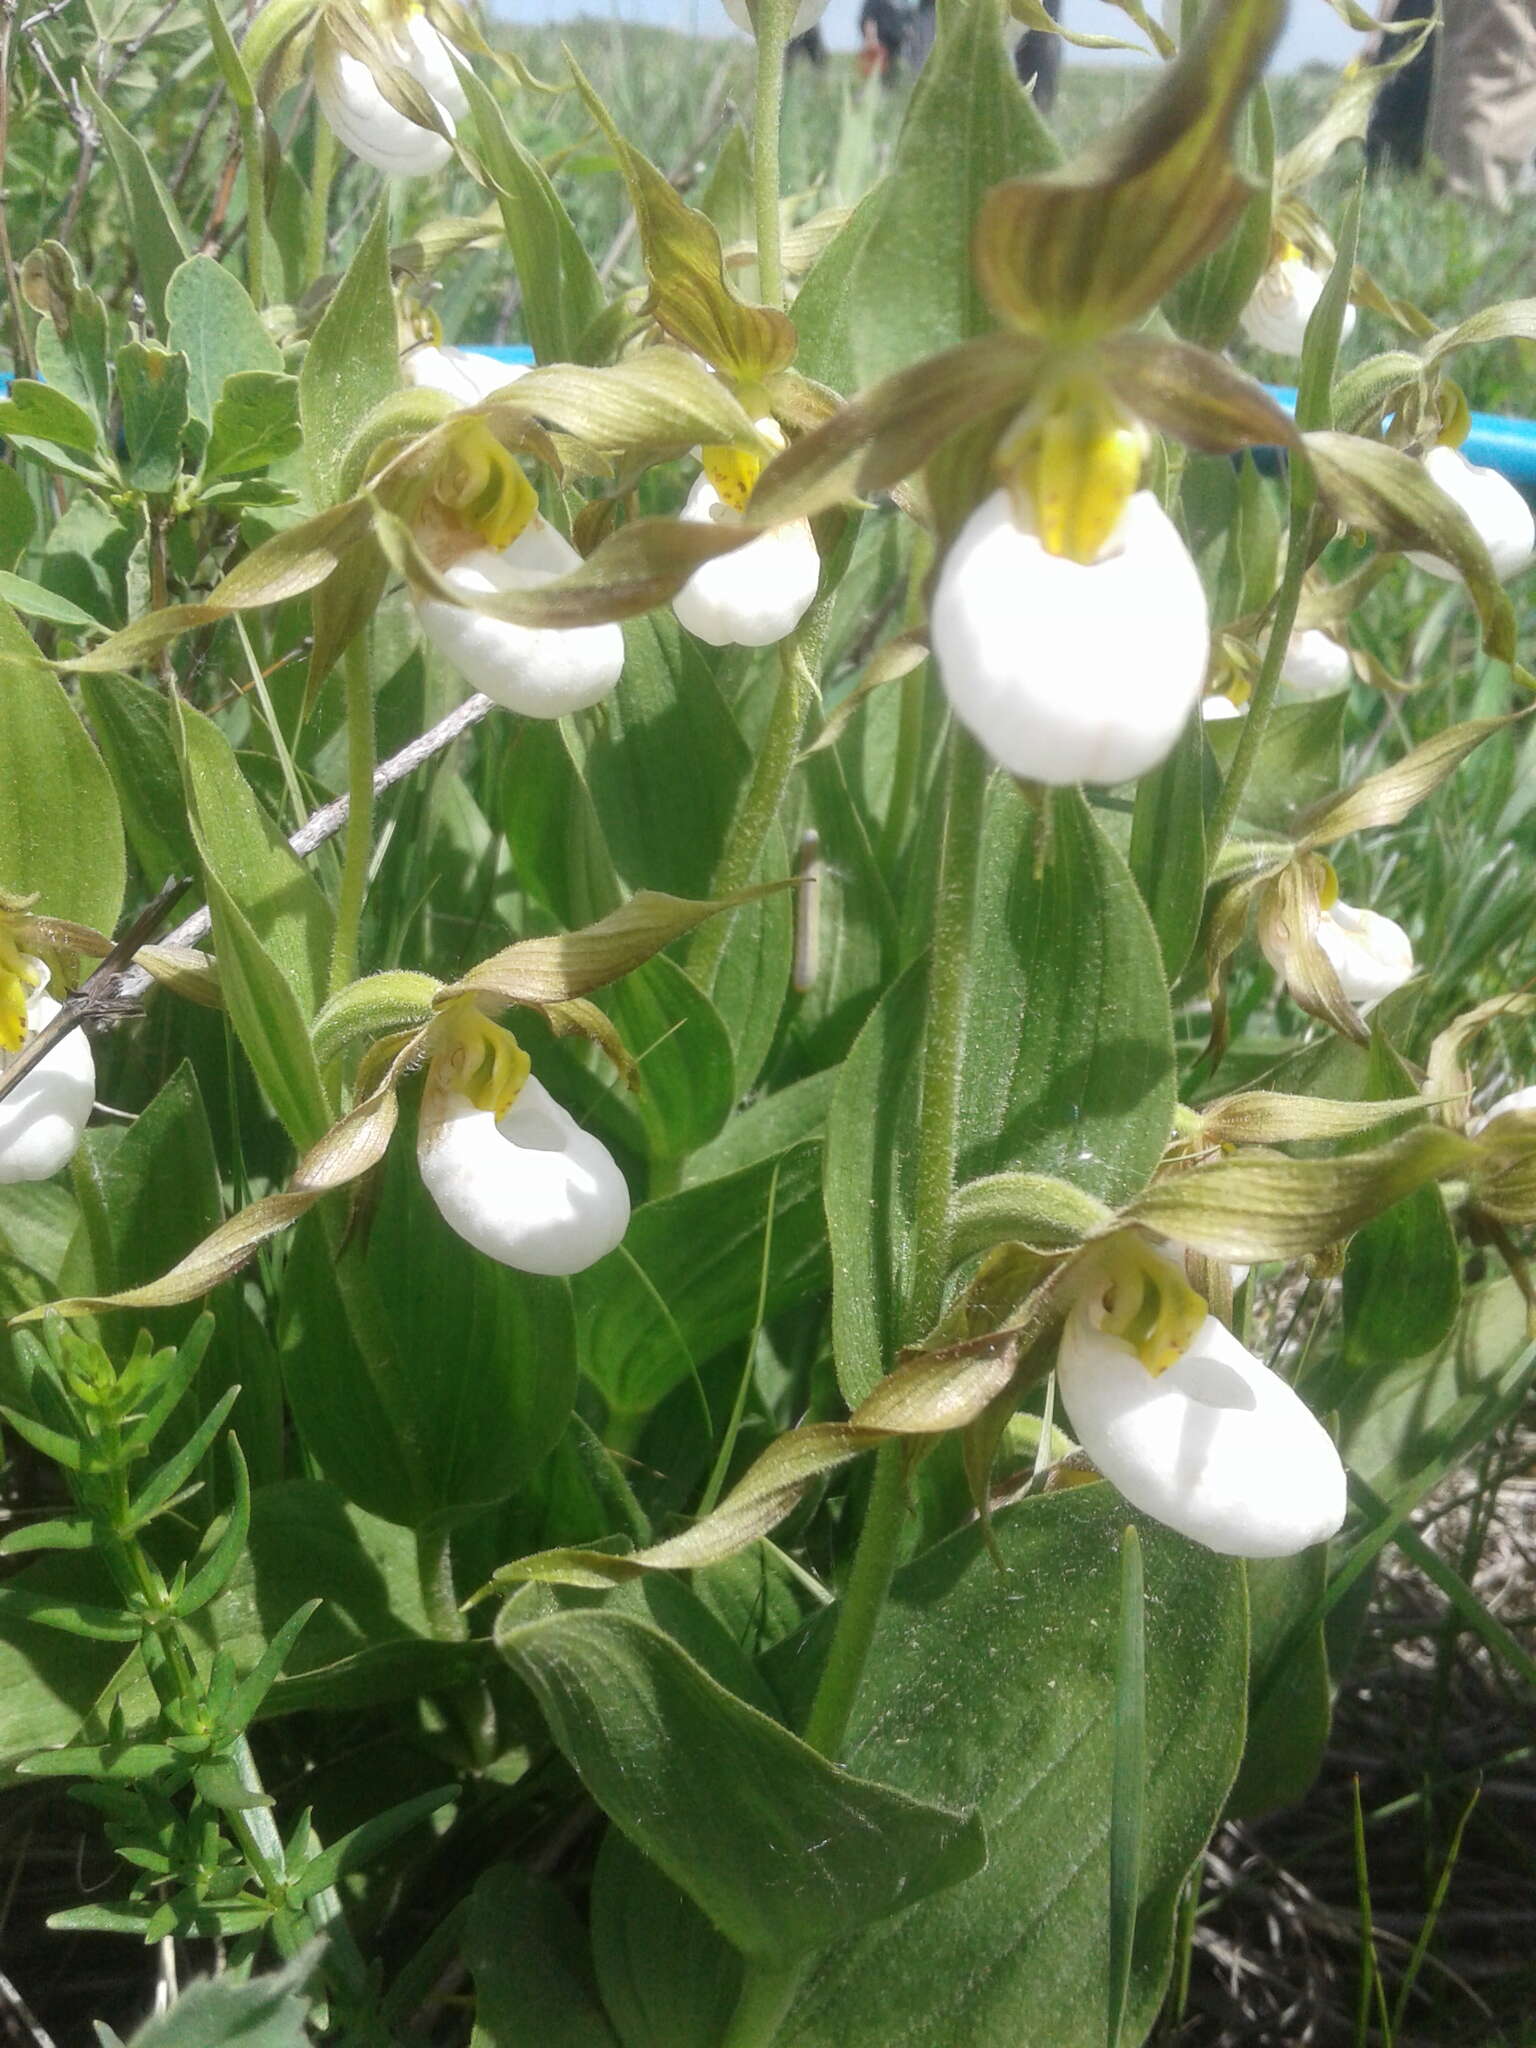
(497, 542)
(759, 593)
(1187, 1423)
(1070, 671)
(42, 1117)
(541, 671)
(509, 1169)
(1507, 1105)
(1218, 707)
(1496, 509)
(461, 374)
(365, 122)
(1284, 301)
(1315, 664)
(1371, 955)
(1069, 624)
(807, 14)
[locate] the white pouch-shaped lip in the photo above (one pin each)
(756, 595)
(1217, 1447)
(364, 122)
(461, 374)
(42, 1117)
(1371, 955)
(1064, 671)
(532, 1190)
(1283, 302)
(1501, 516)
(1315, 664)
(541, 671)
(1507, 1105)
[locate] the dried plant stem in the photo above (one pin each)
(116, 986)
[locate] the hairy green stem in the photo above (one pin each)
(933, 1206)
(1262, 703)
(799, 665)
(357, 844)
(949, 981)
(255, 205)
(771, 21)
(767, 1991)
(317, 228)
(434, 1569)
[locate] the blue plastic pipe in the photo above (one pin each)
(1495, 442)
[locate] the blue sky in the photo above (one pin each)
(1315, 31)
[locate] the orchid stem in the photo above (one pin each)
(434, 1570)
(771, 22)
(799, 663)
(949, 982)
(255, 205)
(1262, 703)
(768, 1992)
(938, 1116)
(317, 237)
(357, 845)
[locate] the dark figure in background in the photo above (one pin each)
(809, 46)
(1037, 60)
(883, 30)
(1400, 118)
(921, 28)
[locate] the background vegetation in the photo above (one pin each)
(1412, 1855)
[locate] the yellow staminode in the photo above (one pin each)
(1148, 1304)
(18, 978)
(1076, 459)
(478, 1059)
(1455, 415)
(1328, 884)
(733, 472)
(484, 485)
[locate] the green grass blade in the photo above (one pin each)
(1128, 1790)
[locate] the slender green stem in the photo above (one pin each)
(908, 766)
(772, 20)
(767, 1990)
(858, 1609)
(434, 1568)
(799, 663)
(357, 845)
(317, 235)
(722, 1465)
(255, 204)
(949, 976)
(1262, 703)
(933, 1203)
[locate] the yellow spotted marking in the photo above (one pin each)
(1148, 1304)
(484, 484)
(733, 472)
(479, 1060)
(1077, 458)
(18, 978)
